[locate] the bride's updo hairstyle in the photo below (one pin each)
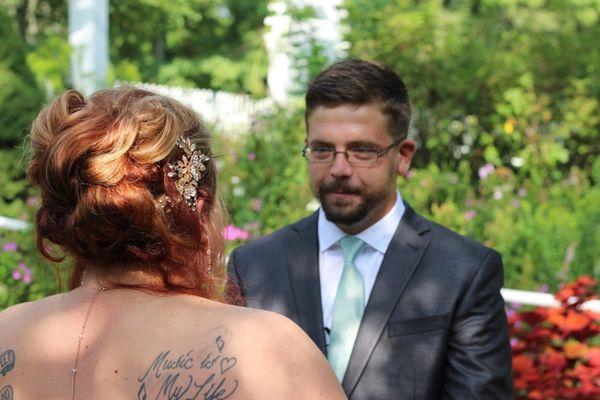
(108, 200)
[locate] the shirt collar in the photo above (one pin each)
(378, 236)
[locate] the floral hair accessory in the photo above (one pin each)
(188, 171)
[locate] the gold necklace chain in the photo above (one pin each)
(99, 290)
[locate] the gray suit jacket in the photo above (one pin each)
(434, 326)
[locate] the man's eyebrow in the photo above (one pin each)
(362, 143)
(354, 143)
(320, 143)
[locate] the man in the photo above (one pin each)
(402, 307)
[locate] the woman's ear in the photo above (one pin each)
(406, 149)
(199, 204)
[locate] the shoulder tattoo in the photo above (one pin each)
(204, 374)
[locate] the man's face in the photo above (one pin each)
(355, 197)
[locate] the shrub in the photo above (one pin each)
(20, 95)
(556, 351)
(24, 276)
(263, 175)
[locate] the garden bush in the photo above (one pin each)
(24, 275)
(263, 174)
(514, 84)
(556, 351)
(20, 95)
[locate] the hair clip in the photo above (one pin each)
(188, 171)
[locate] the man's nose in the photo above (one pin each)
(340, 167)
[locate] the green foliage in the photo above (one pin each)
(50, 63)
(509, 83)
(193, 43)
(15, 189)
(506, 99)
(308, 54)
(24, 276)
(544, 233)
(200, 43)
(20, 96)
(264, 175)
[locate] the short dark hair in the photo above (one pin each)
(361, 82)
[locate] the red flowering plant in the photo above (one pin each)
(556, 351)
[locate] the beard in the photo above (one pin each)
(347, 211)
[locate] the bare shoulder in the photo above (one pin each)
(271, 329)
(23, 312)
(284, 357)
(15, 333)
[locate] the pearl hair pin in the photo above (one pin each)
(188, 171)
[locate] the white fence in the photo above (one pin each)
(509, 295)
(541, 299)
(12, 224)
(231, 113)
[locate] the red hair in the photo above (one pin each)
(101, 165)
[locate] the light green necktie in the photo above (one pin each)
(348, 308)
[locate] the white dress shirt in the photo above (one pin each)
(377, 238)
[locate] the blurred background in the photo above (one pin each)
(506, 115)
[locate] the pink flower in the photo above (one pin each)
(251, 156)
(485, 171)
(253, 226)
(33, 201)
(470, 214)
(24, 268)
(232, 232)
(256, 204)
(498, 194)
(518, 324)
(522, 192)
(22, 272)
(12, 246)
(516, 306)
(516, 203)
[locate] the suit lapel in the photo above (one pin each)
(399, 263)
(303, 266)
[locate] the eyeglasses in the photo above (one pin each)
(320, 154)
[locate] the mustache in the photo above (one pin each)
(339, 186)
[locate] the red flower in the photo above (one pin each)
(553, 357)
(573, 321)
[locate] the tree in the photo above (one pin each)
(195, 43)
(20, 95)
(507, 83)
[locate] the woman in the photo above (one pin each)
(128, 186)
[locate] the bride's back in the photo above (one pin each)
(147, 346)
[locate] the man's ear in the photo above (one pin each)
(405, 151)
